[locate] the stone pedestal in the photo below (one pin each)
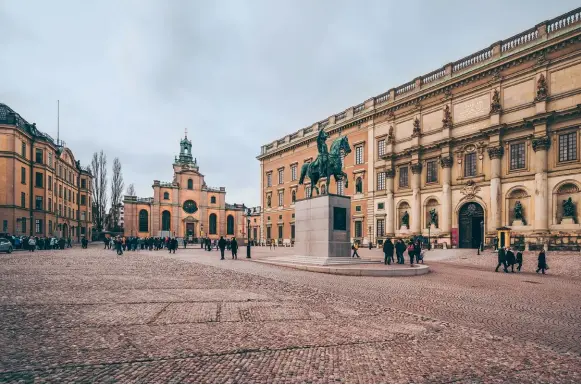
(568, 221)
(322, 226)
(518, 222)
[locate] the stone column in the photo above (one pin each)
(495, 154)
(416, 198)
(540, 146)
(390, 207)
(446, 221)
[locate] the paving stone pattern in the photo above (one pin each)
(90, 316)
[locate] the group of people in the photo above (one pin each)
(121, 244)
(507, 258)
(413, 247)
(43, 243)
(222, 244)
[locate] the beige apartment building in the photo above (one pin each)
(487, 142)
(44, 190)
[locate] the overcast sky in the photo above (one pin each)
(131, 75)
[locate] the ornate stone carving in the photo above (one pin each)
(417, 129)
(495, 106)
(542, 58)
(390, 173)
(568, 188)
(417, 105)
(390, 136)
(542, 143)
(447, 121)
(416, 168)
(496, 75)
(448, 93)
(495, 152)
(541, 89)
(391, 115)
(470, 190)
(446, 161)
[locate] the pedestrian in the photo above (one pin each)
(411, 252)
(354, 247)
(519, 259)
(388, 252)
(542, 263)
(400, 249)
(119, 246)
(370, 245)
(510, 259)
(84, 243)
(222, 246)
(501, 260)
(31, 244)
(234, 248)
(418, 251)
(185, 243)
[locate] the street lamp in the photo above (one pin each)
(248, 231)
(429, 236)
(481, 246)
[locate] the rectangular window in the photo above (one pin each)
(49, 208)
(280, 176)
(357, 208)
(39, 178)
(39, 156)
(38, 226)
(381, 148)
(50, 159)
(83, 230)
(83, 200)
(23, 221)
(381, 206)
(308, 192)
(517, 156)
(470, 164)
(292, 232)
(359, 155)
(5, 226)
(340, 188)
(269, 179)
(381, 180)
(279, 231)
(83, 215)
(294, 172)
(22, 175)
(50, 226)
(358, 229)
(280, 198)
(60, 174)
(568, 147)
(38, 203)
(268, 237)
(49, 183)
(403, 176)
(60, 190)
(83, 183)
(431, 171)
(60, 209)
(380, 227)
(23, 150)
(23, 200)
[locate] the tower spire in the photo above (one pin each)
(186, 133)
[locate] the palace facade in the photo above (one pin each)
(44, 190)
(487, 142)
(185, 207)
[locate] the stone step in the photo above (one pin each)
(310, 260)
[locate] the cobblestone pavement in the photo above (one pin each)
(90, 316)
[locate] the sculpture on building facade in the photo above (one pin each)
(568, 208)
(328, 163)
(518, 211)
(434, 217)
(405, 219)
(390, 136)
(495, 106)
(541, 88)
(417, 131)
(447, 121)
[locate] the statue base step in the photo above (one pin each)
(518, 222)
(568, 221)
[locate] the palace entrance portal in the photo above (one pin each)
(471, 225)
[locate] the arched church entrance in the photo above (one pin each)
(471, 225)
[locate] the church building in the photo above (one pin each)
(185, 207)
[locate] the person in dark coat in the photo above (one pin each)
(185, 243)
(84, 243)
(542, 263)
(519, 260)
(418, 251)
(234, 248)
(501, 259)
(510, 259)
(388, 252)
(222, 246)
(400, 249)
(411, 252)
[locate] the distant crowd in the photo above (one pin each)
(42, 243)
(121, 244)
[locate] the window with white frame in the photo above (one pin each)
(294, 172)
(470, 164)
(403, 176)
(281, 176)
(381, 148)
(308, 191)
(517, 156)
(268, 179)
(280, 198)
(431, 171)
(340, 188)
(359, 155)
(381, 180)
(380, 227)
(568, 147)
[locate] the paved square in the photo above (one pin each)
(91, 316)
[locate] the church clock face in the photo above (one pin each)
(190, 206)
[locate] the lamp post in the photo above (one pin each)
(248, 231)
(429, 236)
(481, 246)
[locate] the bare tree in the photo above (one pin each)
(116, 191)
(99, 170)
(130, 190)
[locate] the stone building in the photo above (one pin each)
(44, 190)
(185, 207)
(485, 142)
(253, 216)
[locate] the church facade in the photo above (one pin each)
(184, 208)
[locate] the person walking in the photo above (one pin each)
(354, 248)
(411, 252)
(542, 262)
(119, 246)
(388, 252)
(234, 248)
(519, 260)
(510, 259)
(31, 244)
(185, 243)
(399, 250)
(501, 260)
(222, 246)
(418, 251)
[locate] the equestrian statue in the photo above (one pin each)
(327, 163)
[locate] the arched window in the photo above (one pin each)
(213, 221)
(190, 184)
(143, 221)
(230, 225)
(294, 196)
(166, 195)
(213, 199)
(165, 221)
(359, 186)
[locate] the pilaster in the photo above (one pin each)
(416, 197)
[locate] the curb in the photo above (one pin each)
(408, 272)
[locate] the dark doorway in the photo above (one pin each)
(471, 219)
(190, 232)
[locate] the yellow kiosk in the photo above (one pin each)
(503, 237)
